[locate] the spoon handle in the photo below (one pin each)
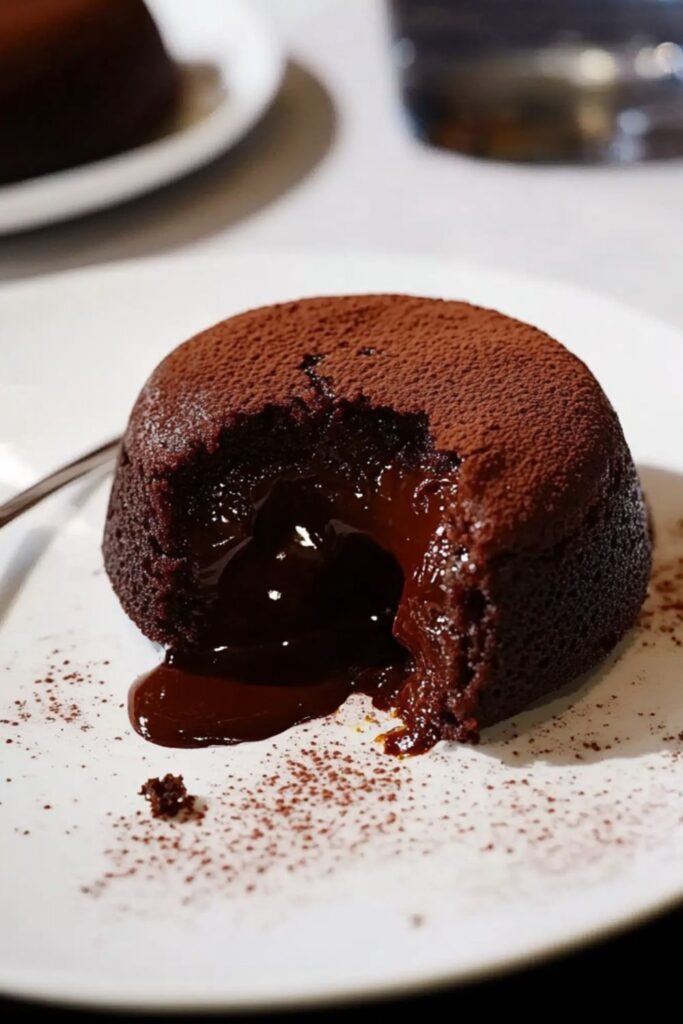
(49, 484)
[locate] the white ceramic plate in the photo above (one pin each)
(231, 66)
(323, 869)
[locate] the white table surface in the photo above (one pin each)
(334, 166)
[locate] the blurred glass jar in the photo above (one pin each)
(543, 80)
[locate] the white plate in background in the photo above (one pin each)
(381, 876)
(231, 66)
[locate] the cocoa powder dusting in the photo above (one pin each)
(62, 695)
(298, 810)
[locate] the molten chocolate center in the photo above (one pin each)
(314, 586)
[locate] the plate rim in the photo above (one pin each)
(215, 258)
(325, 998)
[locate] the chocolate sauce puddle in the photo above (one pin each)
(315, 594)
(246, 696)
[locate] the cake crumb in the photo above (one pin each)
(167, 797)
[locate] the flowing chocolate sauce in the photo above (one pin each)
(316, 587)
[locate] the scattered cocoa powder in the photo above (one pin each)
(663, 610)
(314, 806)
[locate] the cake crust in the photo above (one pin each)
(544, 498)
(537, 438)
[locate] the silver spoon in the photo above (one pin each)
(49, 484)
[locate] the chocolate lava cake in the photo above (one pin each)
(431, 494)
(79, 80)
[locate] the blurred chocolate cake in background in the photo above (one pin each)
(79, 80)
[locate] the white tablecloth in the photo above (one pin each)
(334, 165)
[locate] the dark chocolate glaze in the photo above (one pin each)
(301, 597)
(177, 705)
(473, 451)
